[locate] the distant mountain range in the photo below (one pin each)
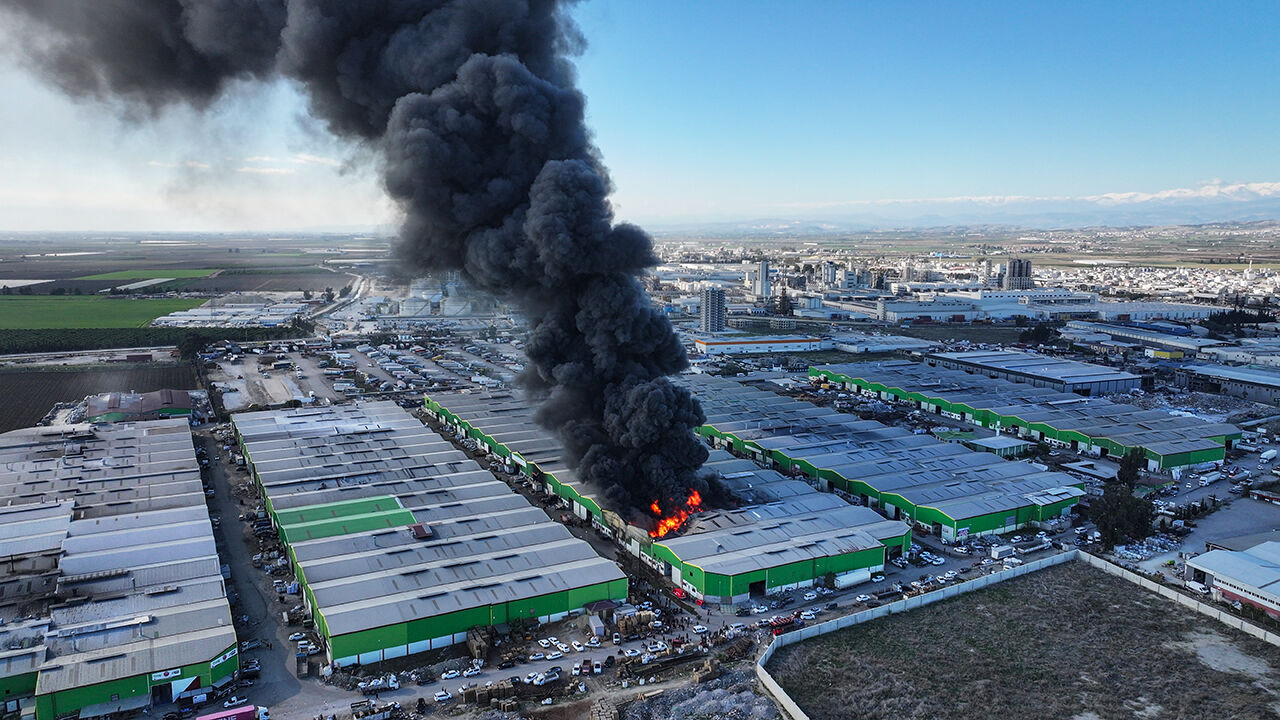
(1242, 202)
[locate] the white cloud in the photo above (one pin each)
(261, 159)
(255, 170)
(1213, 190)
(1219, 190)
(308, 159)
(193, 164)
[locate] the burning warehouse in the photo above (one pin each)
(772, 532)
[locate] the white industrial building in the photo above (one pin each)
(759, 344)
(235, 315)
(1249, 577)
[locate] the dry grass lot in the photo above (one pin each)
(1066, 642)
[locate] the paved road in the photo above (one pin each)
(277, 687)
(1243, 516)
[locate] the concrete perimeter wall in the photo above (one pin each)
(1217, 613)
(793, 711)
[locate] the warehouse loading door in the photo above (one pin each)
(756, 589)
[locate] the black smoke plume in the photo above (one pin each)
(473, 108)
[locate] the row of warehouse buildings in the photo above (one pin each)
(400, 542)
(944, 488)
(110, 564)
(776, 455)
(784, 535)
(1089, 425)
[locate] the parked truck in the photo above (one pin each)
(786, 624)
(244, 712)
(999, 552)
(1043, 544)
(1268, 455)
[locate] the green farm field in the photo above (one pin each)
(142, 274)
(32, 312)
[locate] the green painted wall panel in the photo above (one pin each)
(16, 686)
(989, 418)
(346, 525)
(438, 626)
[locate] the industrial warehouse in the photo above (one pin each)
(111, 565)
(1089, 425)
(401, 542)
(790, 538)
(1038, 371)
(789, 535)
(944, 488)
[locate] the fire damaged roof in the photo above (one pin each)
(109, 407)
(783, 534)
(784, 520)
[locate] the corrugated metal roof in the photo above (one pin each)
(487, 544)
(140, 550)
(1258, 567)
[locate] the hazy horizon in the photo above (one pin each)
(860, 116)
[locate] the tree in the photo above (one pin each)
(1119, 514)
(345, 291)
(1038, 335)
(307, 294)
(1131, 466)
(190, 344)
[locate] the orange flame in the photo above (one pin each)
(673, 522)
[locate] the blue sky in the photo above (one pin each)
(742, 103)
(717, 109)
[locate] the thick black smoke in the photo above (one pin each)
(473, 106)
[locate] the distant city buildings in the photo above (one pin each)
(1017, 275)
(713, 310)
(761, 286)
(828, 273)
